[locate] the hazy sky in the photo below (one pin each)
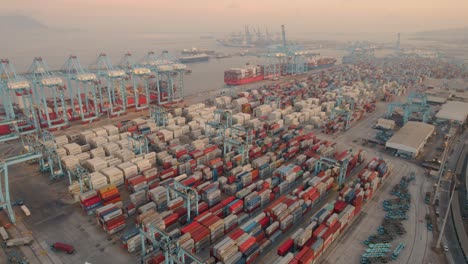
(227, 15)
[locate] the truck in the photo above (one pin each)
(428, 222)
(22, 241)
(427, 198)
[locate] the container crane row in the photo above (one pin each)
(49, 94)
(20, 107)
(112, 90)
(85, 102)
(139, 76)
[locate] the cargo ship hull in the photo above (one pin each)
(323, 66)
(191, 59)
(244, 81)
(230, 80)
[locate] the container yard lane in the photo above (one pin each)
(284, 204)
(418, 240)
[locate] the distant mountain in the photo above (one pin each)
(444, 34)
(18, 22)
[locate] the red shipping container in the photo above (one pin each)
(339, 206)
(247, 244)
(136, 180)
(301, 253)
(91, 201)
(228, 200)
(264, 222)
(307, 258)
(189, 227)
(171, 219)
(319, 230)
(284, 248)
(202, 207)
(181, 153)
(327, 234)
(5, 130)
(236, 234)
(260, 237)
(252, 258)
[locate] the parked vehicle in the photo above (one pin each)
(59, 246)
(22, 241)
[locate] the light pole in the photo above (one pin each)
(454, 183)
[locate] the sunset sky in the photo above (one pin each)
(222, 15)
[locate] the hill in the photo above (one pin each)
(20, 23)
(444, 34)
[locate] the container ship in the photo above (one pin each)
(250, 74)
(194, 58)
(196, 51)
(247, 74)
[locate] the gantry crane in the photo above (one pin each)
(241, 147)
(222, 120)
(5, 200)
(138, 143)
(159, 115)
(415, 103)
(13, 132)
(25, 116)
(237, 129)
(344, 113)
(174, 72)
(49, 92)
(190, 195)
(112, 87)
(270, 98)
(44, 143)
(343, 165)
(82, 88)
(274, 65)
(287, 59)
(169, 76)
(171, 249)
(139, 75)
(81, 174)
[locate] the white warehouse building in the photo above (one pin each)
(411, 138)
(453, 111)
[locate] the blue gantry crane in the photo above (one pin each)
(245, 131)
(174, 71)
(229, 144)
(82, 88)
(138, 143)
(112, 86)
(169, 76)
(5, 199)
(342, 165)
(44, 143)
(222, 120)
(287, 59)
(25, 115)
(161, 242)
(346, 114)
(49, 93)
(190, 195)
(139, 75)
(159, 115)
(81, 174)
(415, 103)
(12, 133)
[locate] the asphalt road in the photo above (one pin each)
(418, 239)
(455, 254)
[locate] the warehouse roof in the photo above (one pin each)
(453, 110)
(436, 99)
(411, 137)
